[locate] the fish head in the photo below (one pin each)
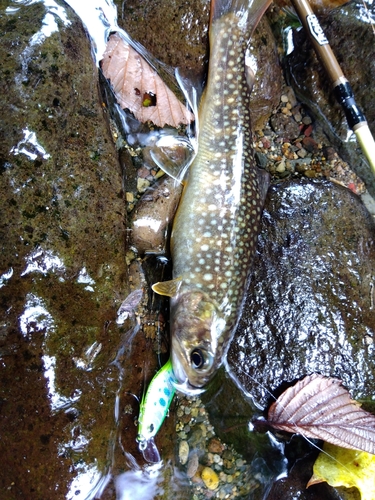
(197, 336)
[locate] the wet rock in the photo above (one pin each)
(267, 86)
(294, 484)
(310, 306)
(152, 216)
(62, 256)
(173, 32)
(215, 446)
(344, 27)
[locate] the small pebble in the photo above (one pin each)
(193, 465)
(194, 412)
(281, 166)
(310, 173)
(143, 172)
(183, 452)
(210, 478)
(180, 411)
(308, 130)
(142, 184)
(215, 446)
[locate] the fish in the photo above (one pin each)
(153, 409)
(215, 229)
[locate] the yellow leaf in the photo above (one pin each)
(344, 467)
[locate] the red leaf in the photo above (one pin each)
(139, 88)
(320, 408)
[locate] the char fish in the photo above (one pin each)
(215, 230)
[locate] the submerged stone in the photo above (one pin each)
(310, 306)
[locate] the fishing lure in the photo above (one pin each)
(154, 406)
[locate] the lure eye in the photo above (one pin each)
(197, 359)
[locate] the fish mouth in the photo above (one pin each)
(188, 389)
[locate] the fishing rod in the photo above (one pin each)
(341, 86)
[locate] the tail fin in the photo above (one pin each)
(249, 12)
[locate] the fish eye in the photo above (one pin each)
(197, 359)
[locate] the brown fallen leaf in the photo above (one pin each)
(320, 408)
(139, 88)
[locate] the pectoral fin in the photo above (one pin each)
(168, 288)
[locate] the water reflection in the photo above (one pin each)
(57, 400)
(366, 12)
(85, 278)
(100, 18)
(89, 483)
(35, 317)
(5, 277)
(139, 483)
(43, 261)
(30, 146)
(49, 26)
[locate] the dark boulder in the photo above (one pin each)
(311, 304)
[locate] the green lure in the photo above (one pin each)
(155, 404)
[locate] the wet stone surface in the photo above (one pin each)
(310, 306)
(183, 26)
(61, 260)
